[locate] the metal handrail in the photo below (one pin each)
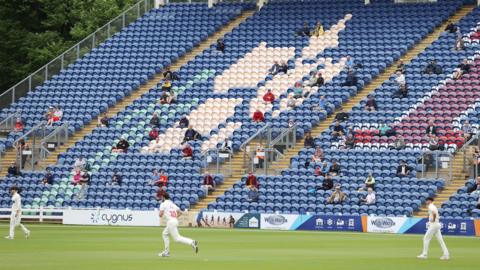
(264, 128)
(464, 149)
(10, 118)
(33, 129)
(148, 5)
(438, 153)
(282, 134)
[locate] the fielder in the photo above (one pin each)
(171, 213)
(434, 228)
(16, 215)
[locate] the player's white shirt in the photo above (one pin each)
(16, 203)
(169, 210)
(432, 209)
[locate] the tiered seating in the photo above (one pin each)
(120, 65)
(462, 204)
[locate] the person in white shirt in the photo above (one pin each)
(434, 229)
(16, 215)
(171, 212)
(370, 198)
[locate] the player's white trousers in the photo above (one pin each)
(434, 230)
(172, 229)
(14, 222)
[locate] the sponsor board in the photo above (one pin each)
(449, 226)
(218, 219)
(332, 223)
(279, 221)
(111, 217)
(248, 221)
(385, 224)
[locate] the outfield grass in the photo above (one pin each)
(117, 248)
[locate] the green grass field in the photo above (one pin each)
(117, 248)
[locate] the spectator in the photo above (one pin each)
(459, 44)
(317, 80)
(323, 106)
(403, 169)
(283, 67)
(386, 130)
(335, 168)
(155, 121)
(167, 85)
(305, 31)
(431, 128)
(220, 46)
(18, 125)
(433, 143)
(187, 151)
(400, 80)
(13, 170)
(341, 116)
(476, 35)
(252, 182)
(275, 69)
(298, 90)
(122, 146)
(402, 91)
(208, 183)
(467, 130)
(80, 163)
(451, 28)
(47, 178)
(22, 148)
(84, 182)
(308, 141)
(117, 179)
(291, 103)
(351, 79)
(49, 114)
(337, 196)
(191, 135)
(153, 134)
(349, 142)
(369, 183)
(269, 97)
(327, 183)
(318, 30)
(351, 65)
(318, 155)
(474, 187)
(258, 116)
(259, 156)
(57, 116)
(338, 130)
(161, 178)
(400, 67)
(252, 195)
(370, 198)
(399, 143)
(371, 104)
(183, 123)
(168, 74)
(103, 121)
(167, 97)
(433, 68)
(77, 176)
(227, 146)
(461, 69)
(318, 171)
(325, 169)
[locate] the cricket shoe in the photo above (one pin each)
(8, 238)
(423, 257)
(195, 246)
(445, 258)
(164, 254)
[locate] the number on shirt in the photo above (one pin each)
(173, 214)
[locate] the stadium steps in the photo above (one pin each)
(284, 162)
(120, 106)
(458, 175)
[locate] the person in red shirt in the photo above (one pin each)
(269, 97)
(153, 134)
(208, 183)
(252, 182)
(258, 116)
(187, 151)
(18, 125)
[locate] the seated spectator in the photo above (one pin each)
(431, 128)
(337, 196)
(168, 74)
(335, 168)
(57, 116)
(187, 151)
(402, 91)
(318, 30)
(220, 46)
(162, 180)
(386, 130)
(433, 143)
(13, 170)
(167, 86)
(475, 187)
(227, 146)
(317, 80)
(451, 28)
(433, 68)
(258, 116)
(117, 178)
(308, 141)
(403, 169)
(269, 97)
(103, 121)
(351, 79)
(370, 198)
(252, 182)
(400, 79)
(275, 69)
(318, 156)
(371, 104)
(467, 130)
(304, 31)
(349, 142)
(167, 97)
(183, 123)
(77, 176)
(122, 146)
(153, 134)
(400, 67)
(338, 130)
(291, 103)
(155, 121)
(459, 44)
(399, 143)
(18, 125)
(325, 169)
(47, 178)
(84, 182)
(461, 69)
(298, 90)
(327, 183)
(191, 135)
(283, 67)
(252, 195)
(341, 116)
(80, 163)
(318, 171)
(208, 183)
(369, 183)
(49, 114)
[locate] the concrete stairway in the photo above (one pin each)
(120, 106)
(316, 131)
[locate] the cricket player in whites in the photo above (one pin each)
(434, 229)
(171, 212)
(16, 215)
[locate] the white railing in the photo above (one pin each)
(39, 215)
